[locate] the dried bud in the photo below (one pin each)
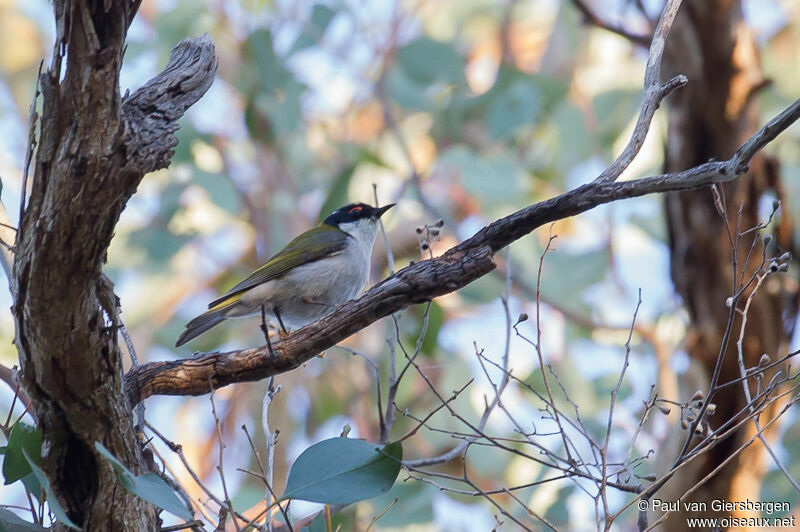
(690, 417)
(776, 205)
(783, 267)
(785, 257)
(767, 239)
(773, 267)
(345, 431)
(698, 396)
(434, 232)
(664, 410)
(764, 360)
(439, 223)
(522, 317)
(419, 230)
(729, 302)
(424, 246)
(710, 409)
(684, 424)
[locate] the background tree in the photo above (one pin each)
(464, 112)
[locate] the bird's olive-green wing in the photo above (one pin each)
(315, 244)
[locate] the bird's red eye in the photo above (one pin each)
(354, 209)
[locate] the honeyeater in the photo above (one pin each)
(320, 269)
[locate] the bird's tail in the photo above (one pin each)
(201, 324)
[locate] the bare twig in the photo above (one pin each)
(654, 93)
(227, 500)
(590, 17)
(614, 393)
(271, 438)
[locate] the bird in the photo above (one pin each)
(320, 269)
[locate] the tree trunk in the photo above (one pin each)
(709, 118)
(94, 148)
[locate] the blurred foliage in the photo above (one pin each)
(464, 111)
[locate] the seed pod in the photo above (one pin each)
(522, 317)
(710, 409)
(664, 410)
(698, 396)
(764, 360)
(419, 230)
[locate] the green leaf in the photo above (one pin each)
(518, 105)
(31, 483)
(312, 33)
(337, 195)
(343, 520)
(567, 275)
(23, 437)
(614, 109)
(338, 192)
(406, 92)
(11, 522)
(148, 487)
(495, 178)
(52, 502)
(317, 525)
(413, 504)
(266, 71)
(426, 60)
(435, 322)
(343, 471)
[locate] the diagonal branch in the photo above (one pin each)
(590, 17)
(425, 280)
(654, 93)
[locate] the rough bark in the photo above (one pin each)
(711, 44)
(427, 279)
(94, 149)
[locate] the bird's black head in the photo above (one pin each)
(355, 212)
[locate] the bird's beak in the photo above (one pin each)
(380, 210)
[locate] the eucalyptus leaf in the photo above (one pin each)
(11, 522)
(148, 487)
(52, 501)
(313, 31)
(426, 61)
(343, 471)
(520, 104)
(23, 437)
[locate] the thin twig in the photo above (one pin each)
(590, 17)
(654, 93)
